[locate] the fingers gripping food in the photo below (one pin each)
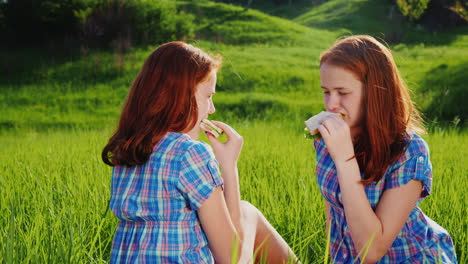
(312, 124)
(209, 127)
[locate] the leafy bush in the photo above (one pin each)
(32, 20)
(435, 14)
(413, 9)
(442, 14)
(461, 9)
(103, 23)
(138, 21)
(96, 22)
(160, 21)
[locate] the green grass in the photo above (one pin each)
(57, 109)
(55, 191)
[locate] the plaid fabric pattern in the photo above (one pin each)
(156, 203)
(420, 241)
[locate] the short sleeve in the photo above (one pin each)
(199, 174)
(413, 165)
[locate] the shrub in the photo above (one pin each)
(32, 20)
(96, 22)
(442, 14)
(435, 14)
(160, 21)
(103, 23)
(137, 21)
(413, 9)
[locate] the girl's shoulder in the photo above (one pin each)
(190, 148)
(413, 164)
(416, 146)
(181, 142)
(178, 146)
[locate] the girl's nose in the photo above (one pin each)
(332, 102)
(212, 109)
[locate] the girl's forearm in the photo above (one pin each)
(232, 196)
(362, 221)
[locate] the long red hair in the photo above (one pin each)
(161, 99)
(388, 110)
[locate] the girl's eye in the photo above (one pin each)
(326, 92)
(341, 93)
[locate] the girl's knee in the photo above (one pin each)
(247, 206)
(249, 211)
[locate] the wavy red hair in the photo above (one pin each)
(388, 110)
(161, 99)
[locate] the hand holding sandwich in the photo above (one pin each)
(226, 153)
(335, 132)
(337, 136)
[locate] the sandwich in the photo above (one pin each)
(311, 130)
(211, 128)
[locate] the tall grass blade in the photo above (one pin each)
(235, 250)
(11, 236)
(365, 249)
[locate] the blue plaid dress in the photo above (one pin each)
(420, 241)
(156, 203)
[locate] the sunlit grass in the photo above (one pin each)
(55, 191)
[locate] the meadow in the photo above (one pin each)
(58, 109)
(55, 191)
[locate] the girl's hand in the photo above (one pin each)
(226, 153)
(337, 136)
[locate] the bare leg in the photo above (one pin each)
(262, 240)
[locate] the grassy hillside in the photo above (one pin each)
(44, 89)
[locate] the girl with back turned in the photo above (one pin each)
(167, 190)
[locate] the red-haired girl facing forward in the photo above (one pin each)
(372, 166)
(166, 186)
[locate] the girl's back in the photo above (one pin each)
(156, 203)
